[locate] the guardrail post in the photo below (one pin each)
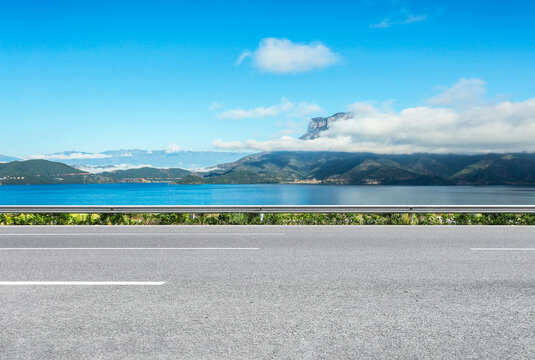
(218, 209)
(192, 216)
(261, 217)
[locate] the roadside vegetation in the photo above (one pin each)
(268, 219)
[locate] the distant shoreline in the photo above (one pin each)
(298, 167)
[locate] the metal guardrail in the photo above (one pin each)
(261, 209)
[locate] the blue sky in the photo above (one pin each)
(93, 76)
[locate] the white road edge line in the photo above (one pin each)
(502, 249)
(145, 234)
(115, 248)
(82, 283)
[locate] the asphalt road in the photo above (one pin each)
(268, 292)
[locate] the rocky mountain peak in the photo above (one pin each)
(319, 124)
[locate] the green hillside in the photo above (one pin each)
(44, 172)
(376, 169)
(507, 170)
(234, 176)
(147, 173)
(305, 167)
(384, 171)
(49, 172)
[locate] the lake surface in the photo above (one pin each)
(277, 194)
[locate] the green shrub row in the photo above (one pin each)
(268, 219)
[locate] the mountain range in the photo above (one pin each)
(124, 159)
(374, 169)
(44, 172)
(209, 167)
(4, 159)
(304, 167)
(51, 172)
(135, 158)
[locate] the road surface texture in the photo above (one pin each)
(267, 292)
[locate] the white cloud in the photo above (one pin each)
(97, 169)
(215, 106)
(468, 124)
(386, 23)
(244, 55)
(464, 92)
(285, 106)
(306, 109)
(172, 148)
(282, 56)
(414, 18)
(70, 156)
(285, 143)
(381, 25)
(259, 112)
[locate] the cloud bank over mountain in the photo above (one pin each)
(172, 157)
(71, 155)
(461, 119)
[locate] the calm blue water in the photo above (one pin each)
(163, 194)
